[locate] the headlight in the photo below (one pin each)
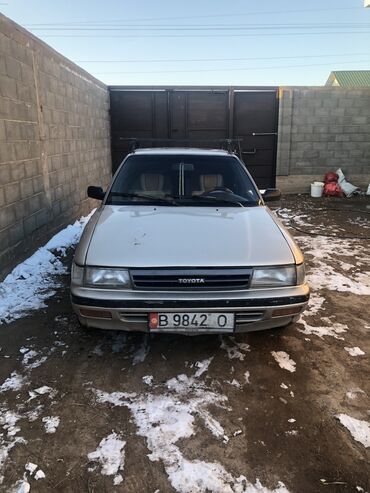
(113, 278)
(271, 277)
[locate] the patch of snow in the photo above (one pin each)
(51, 423)
(34, 413)
(352, 393)
(354, 351)
(14, 382)
(234, 383)
(360, 430)
(247, 377)
(111, 456)
(41, 391)
(33, 281)
(165, 419)
(284, 361)
(291, 420)
(202, 366)
(30, 355)
(283, 386)
(21, 486)
(39, 475)
(118, 479)
(332, 329)
(8, 440)
(235, 350)
(327, 261)
(292, 432)
(30, 467)
(148, 379)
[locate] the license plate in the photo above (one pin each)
(192, 321)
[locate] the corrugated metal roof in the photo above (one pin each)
(350, 78)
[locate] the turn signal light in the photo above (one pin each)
(91, 313)
(283, 312)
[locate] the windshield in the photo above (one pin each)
(183, 180)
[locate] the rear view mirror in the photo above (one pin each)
(95, 193)
(271, 195)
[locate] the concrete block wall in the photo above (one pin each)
(54, 142)
(322, 129)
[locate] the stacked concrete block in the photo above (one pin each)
(54, 141)
(322, 129)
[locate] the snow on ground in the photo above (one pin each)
(353, 393)
(360, 430)
(337, 264)
(284, 361)
(110, 454)
(148, 380)
(14, 382)
(329, 259)
(8, 436)
(21, 486)
(41, 391)
(166, 418)
(234, 349)
(31, 359)
(202, 366)
(354, 351)
(33, 281)
(331, 329)
(51, 423)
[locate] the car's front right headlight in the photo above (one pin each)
(274, 277)
(107, 278)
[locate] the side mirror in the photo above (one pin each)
(95, 193)
(271, 195)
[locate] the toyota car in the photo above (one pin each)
(184, 243)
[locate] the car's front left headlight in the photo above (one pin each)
(274, 277)
(107, 278)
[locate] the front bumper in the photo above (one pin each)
(129, 310)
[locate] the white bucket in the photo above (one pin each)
(317, 188)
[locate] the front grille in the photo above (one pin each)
(191, 279)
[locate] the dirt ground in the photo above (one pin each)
(211, 412)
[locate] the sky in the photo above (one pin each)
(203, 42)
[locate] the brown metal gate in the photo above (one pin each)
(196, 114)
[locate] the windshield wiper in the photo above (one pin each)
(162, 200)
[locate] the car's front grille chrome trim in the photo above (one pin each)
(191, 279)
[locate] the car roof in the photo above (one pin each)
(183, 150)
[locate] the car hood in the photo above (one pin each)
(147, 236)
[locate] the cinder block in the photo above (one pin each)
(26, 188)
(16, 233)
(7, 216)
(13, 68)
(8, 88)
(29, 224)
(5, 175)
(12, 192)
